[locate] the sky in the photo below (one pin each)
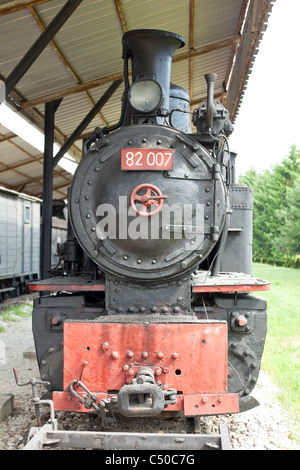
(268, 123)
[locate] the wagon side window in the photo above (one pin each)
(27, 215)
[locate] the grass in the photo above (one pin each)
(12, 312)
(281, 358)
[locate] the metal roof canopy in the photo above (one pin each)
(70, 53)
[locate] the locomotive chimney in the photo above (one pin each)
(151, 53)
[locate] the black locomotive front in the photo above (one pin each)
(157, 319)
(148, 157)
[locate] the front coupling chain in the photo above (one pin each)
(90, 401)
(170, 397)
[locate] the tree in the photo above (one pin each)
(288, 240)
(275, 209)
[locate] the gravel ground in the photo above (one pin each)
(267, 427)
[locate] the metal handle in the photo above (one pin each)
(210, 80)
(36, 401)
(30, 382)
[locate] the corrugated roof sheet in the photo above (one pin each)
(86, 56)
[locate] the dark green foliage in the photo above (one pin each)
(276, 211)
(288, 241)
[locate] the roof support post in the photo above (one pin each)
(40, 44)
(50, 109)
(85, 122)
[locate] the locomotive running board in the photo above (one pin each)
(201, 282)
(46, 436)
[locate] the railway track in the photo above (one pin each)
(50, 437)
(49, 434)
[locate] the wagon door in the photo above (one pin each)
(10, 245)
(3, 234)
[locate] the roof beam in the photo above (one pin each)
(38, 179)
(64, 61)
(121, 15)
(239, 31)
(28, 179)
(119, 76)
(9, 136)
(85, 122)
(62, 173)
(37, 192)
(216, 46)
(71, 91)
(257, 19)
(40, 44)
(17, 5)
(19, 164)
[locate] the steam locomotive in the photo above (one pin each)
(149, 311)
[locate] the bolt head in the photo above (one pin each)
(241, 320)
(104, 346)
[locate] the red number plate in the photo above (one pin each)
(146, 159)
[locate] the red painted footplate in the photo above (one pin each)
(188, 357)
